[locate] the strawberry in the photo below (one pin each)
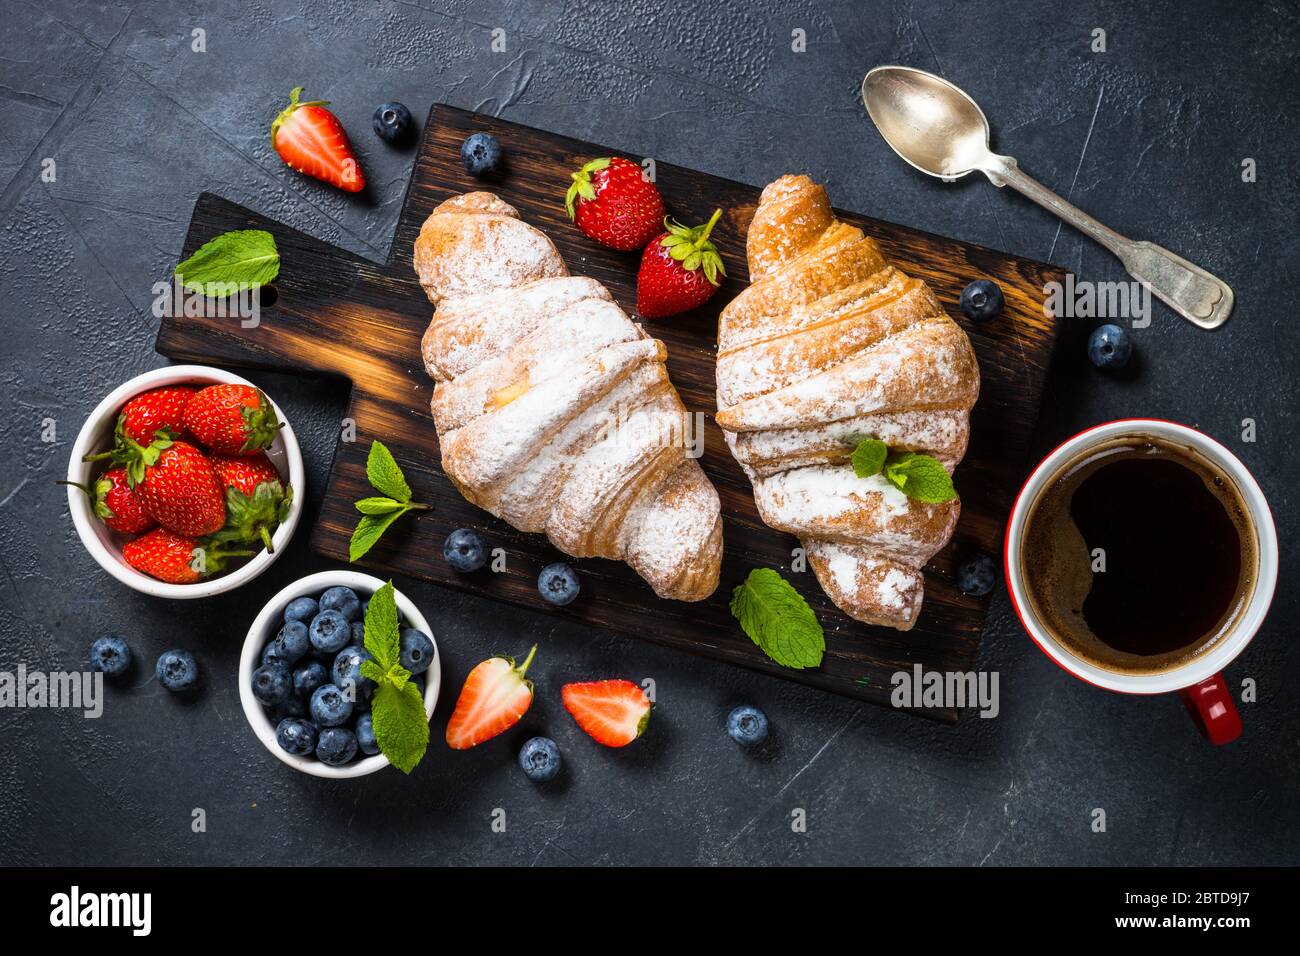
(244, 473)
(311, 140)
(116, 503)
(256, 501)
(180, 489)
(613, 203)
(172, 557)
(231, 419)
(679, 270)
(163, 409)
(494, 697)
(612, 712)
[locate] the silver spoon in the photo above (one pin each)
(941, 131)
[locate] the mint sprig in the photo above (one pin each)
(243, 258)
(397, 708)
(778, 620)
(378, 513)
(918, 476)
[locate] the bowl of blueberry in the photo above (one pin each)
(300, 678)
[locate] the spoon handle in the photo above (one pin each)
(1189, 290)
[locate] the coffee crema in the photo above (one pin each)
(1139, 555)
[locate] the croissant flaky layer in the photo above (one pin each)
(832, 344)
(553, 408)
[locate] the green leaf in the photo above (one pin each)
(778, 620)
(367, 532)
(373, 671)
(382, 638)
(401, 725)
(383, 471)
(869, 457)
(246, 257)
(379, 506)
(920, 477)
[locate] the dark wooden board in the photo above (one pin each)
(340, 314)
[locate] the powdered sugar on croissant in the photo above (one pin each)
(829, 345)
(553, 408)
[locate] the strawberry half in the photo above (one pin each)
(181, 491)
(163, 409)
(496, 694)
(612, 712)
(311, 140)
(115, 503)
(171, 557)
(231, 419)
(679, 270)
(613, 203)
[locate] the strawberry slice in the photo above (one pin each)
(494, 697)
(311, 140)
(612, 712)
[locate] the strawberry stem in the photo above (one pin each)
(522, 669)
(708, 227)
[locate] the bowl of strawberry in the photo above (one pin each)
(185, 482)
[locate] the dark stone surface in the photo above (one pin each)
(1148, 136)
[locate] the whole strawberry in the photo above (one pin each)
(163, 409)
(679, 270)
(181, 491)
(256, 501)
(175, 558)
(231, 419)
(613, 203)
(244, 473)
(115, 503)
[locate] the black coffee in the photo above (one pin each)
(1139, 556)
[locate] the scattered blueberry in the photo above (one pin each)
(329, 706)
(336, 746)
(301, 609)
(347, 672)
(393, 123)
(981, 300)
(747, 725)
(290, 707)
(417, 650)
(177, 670)
(1109, 347)
(540, 759)
(272, 683)
(481, 154)
(330, 631)
(977, 575)
(344, 600)
(558, 584)
(110, 655)
(366, 735)
(308, 677)
(465, 550)
(297, 737)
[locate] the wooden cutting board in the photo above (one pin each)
(337, 313)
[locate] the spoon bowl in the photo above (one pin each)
(928, 122)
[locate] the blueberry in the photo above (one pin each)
(177, 670)
(110, 655)
(540, 759)
(366, 735)
(301, 609)
(297, 737)
(417, 650)
(330, 706)
(358, 634)
(393, 124)
(977, 575)
(272, 683)
(981, 300)
(336, 746)
(330, 632)
(271, 653)
(309, 676)
(747, 725)
(347, 673)
(558, 583)
(1109, 347)
(481, 154)
(290, 707)
(344, 600)
(465, 550)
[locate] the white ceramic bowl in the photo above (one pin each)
(105, 546)
(267, 625)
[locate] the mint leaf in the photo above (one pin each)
(401, 725)
(367, 532)
(373, 671)
(246, 257)
(778, 620)
(869, 457)
(385, 474)
(382, 638)
(379, 506)
(920, 477)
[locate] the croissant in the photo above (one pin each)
(829, 345)
(553, 409)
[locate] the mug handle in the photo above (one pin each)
(1210, 704)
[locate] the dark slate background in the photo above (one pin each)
(1149, 136)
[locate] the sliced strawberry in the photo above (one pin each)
(612, 202)
(496, 694)
(612, 712)
(679, 270)
(116, 503)
(311, 140)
